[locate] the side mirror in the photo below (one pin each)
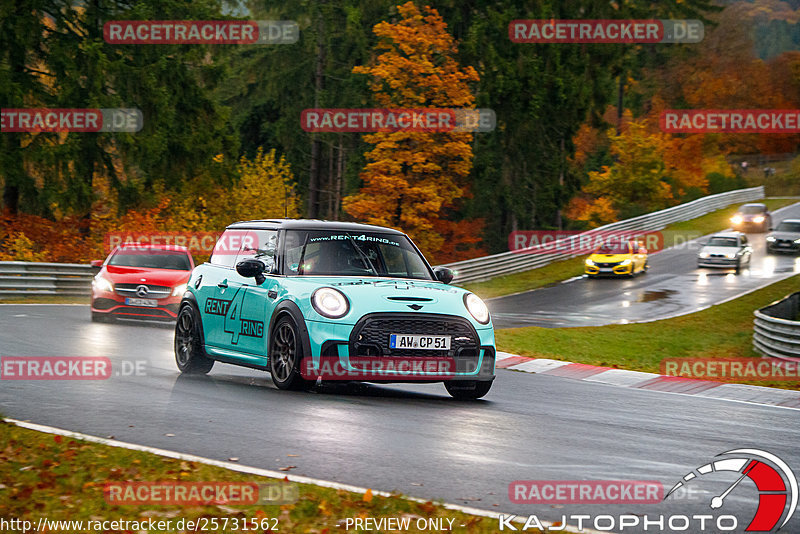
(443, 274)
(96, 263)
(252, 268)
(771, 229)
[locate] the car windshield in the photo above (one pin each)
(151, 259)
(723, 242)
(786, 226)
(751, 210)
(613, 248)
(342, 253)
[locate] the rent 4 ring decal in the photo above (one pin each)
(234, 323)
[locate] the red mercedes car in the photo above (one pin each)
(141, 282)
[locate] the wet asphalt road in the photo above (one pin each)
(409, 438)
(673, 286)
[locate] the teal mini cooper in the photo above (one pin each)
(313, 301)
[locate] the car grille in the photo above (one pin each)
(784, 243)
(153, 292)
(370, 336)
(607, 265)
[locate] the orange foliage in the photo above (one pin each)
(413, 178)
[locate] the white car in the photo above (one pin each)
(726, 250)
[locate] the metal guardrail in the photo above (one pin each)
(487, 267)
(19, 278)
(22, 279)
(776, 330)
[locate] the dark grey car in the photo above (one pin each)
(785, 237)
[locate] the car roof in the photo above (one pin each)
(790, 221)
(136, 246)
(727, 234)
(312, 224)
(754, 204)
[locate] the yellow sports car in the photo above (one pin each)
(617, 259)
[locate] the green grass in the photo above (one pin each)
(561, 270)
(722, 331)
(61, 478)
(45, 299)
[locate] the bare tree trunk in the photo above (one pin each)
(559, 219)
(313, 180)
(337, 188)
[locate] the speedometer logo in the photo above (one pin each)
(775, 481)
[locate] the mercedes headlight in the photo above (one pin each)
(477, 308)
(330, 303)
(737, 219)
(179, 290)
(771, 239)
(758, 219)
(101, 284)
(797, 241)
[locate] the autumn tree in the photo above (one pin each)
(412, 180)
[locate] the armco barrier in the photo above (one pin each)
(525, 259)
(18, 278)
(776, 330)
(21, 279)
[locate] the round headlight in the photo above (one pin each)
(330, 302)
(477, 308)
(179, 290)
(102, 284)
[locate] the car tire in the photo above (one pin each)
(190, 356)
(738, 265)
(468, 390)
(285, 355)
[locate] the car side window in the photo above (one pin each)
(259, 244)
(227, 248)
(744, 240)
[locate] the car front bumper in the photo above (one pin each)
(720, 263)
(113, 305)
(617, 270)
(361, 352)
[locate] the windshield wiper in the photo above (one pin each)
(361, 253)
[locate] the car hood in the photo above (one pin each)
(133, 275)
(375, 295)
(785, 235)
(609, 258)
(719, 250)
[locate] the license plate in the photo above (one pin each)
(149, 303)
(783, 244)
(606, 270)
(415, 341)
